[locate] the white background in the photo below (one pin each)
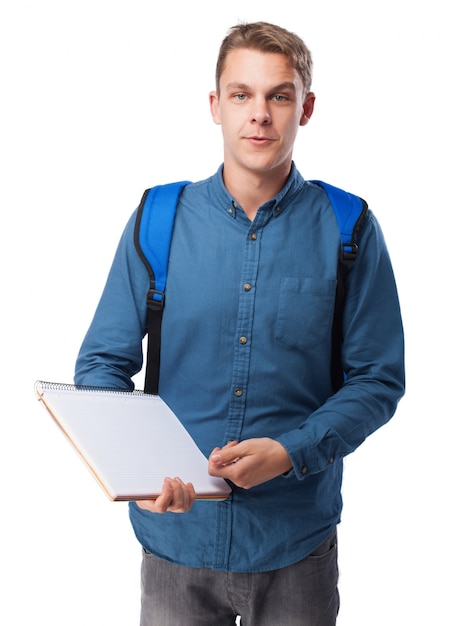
(101, 99)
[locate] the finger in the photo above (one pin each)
(176, 497)
(179, 498)
(231, 444)
(164, 500)
(191, 495)
(183, 495)
(230, 453)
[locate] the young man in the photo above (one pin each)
(245, 362)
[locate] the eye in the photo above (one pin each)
(240, 97)
(280, 98)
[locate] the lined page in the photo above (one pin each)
(130, 440)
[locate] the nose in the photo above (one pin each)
(261, 112)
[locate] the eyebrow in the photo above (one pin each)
(244, 87)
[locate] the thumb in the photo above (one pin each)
(227, 454)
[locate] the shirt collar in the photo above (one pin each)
(276, 204)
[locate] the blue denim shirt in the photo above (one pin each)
(246, 349)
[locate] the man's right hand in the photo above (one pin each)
(176, 497)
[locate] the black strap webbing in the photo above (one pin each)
(337, 372)
(151, 382)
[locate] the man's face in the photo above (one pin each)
(260, 107)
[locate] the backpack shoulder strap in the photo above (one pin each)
(152, 237)
(350, 211)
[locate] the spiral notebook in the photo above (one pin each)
(129, 440)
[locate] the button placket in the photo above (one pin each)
(244, 329)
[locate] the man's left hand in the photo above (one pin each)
(250, 462)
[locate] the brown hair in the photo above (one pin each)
(267, 37)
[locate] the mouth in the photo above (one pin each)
(259, 141)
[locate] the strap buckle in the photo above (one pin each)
(155, 299)
(349, 253)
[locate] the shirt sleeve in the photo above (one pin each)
(372, 359)
(111, 353)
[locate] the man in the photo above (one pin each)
(245, 363)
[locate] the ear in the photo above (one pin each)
(215, 107)
(308, 108)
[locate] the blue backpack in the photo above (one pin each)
(153, 231)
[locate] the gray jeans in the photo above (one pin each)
(303, 594)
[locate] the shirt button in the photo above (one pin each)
(253, 236)
(304, 470)
(243, 340)
(247, 287)
(238, 392)
(331, 460)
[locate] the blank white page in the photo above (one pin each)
(130, 440)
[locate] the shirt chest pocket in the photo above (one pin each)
(305, 312)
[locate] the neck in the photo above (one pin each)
(252, 189)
